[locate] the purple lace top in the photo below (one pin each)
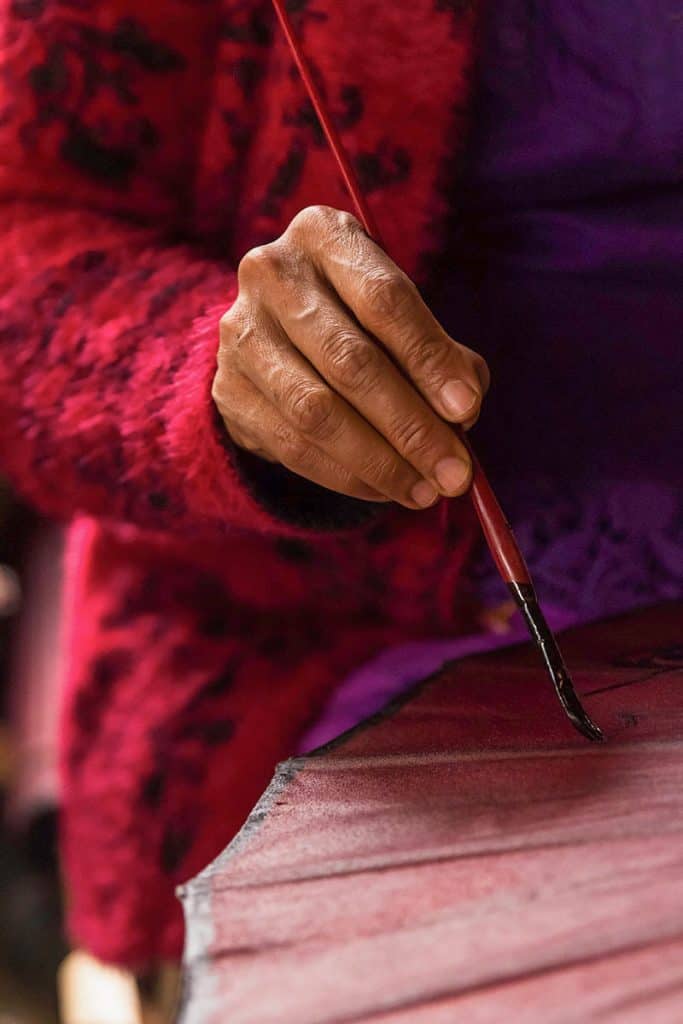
(566, 272)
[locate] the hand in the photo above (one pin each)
(331, 364)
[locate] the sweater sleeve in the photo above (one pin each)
(108, 327)
(108, 340)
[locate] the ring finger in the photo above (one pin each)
(318, 418)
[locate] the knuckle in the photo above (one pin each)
(263, 261)
(314, 218)
(254, 259)
(344, 230)
(295, 450)
(386, 474)
(351, 361)
(413, 437)
(428, 355)
(319, 225)
(311, 408)
(347, 223)
(388, 295)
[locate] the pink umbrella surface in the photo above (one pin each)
(465, 856)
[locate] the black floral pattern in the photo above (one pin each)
(80, 64)
(386, 165)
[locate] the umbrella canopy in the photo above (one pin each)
(465, 855)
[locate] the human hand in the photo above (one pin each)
(331, 364)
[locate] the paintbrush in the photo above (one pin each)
(497, 531)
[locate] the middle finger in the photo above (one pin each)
(356, 367)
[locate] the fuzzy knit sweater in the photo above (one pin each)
(213, 600)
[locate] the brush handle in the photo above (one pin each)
(349, 175)
(495, 526)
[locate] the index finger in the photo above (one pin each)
(387, 304)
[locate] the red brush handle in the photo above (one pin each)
(496, 529)
(347, 171)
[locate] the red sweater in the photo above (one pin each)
(213, 599)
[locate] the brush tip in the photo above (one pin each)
(588, 728)
(527, 602)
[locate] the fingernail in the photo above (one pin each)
(458, 398)
(451, 474)
(423, 494)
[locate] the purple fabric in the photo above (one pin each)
(383, 678)
(566, 272)
(571, 232)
